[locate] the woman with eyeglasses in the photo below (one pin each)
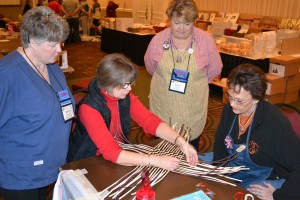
(104, 119)
(36, 108)
(256, 134)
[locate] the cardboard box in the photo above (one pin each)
(284, 65)
(291, 95)
(109, 22)
(276, 98)
(62, 60)
(293, 82)
(276, 84)
(123, 23)
(290, 46)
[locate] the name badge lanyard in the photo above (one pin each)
(179, 78)
(63, 96)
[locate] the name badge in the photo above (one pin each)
(66, 105)
(179, 80)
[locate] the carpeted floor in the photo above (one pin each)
(83, 57)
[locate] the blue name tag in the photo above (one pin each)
(179, 81)
(180, 75)
(66, 105)
(63, 95)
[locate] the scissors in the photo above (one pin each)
(242, 196)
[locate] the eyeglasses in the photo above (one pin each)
(238, 101)
(127, 85)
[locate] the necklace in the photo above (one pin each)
(241, 126)
(179, 56)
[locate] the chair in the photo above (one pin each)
(78, 96)
(293, 114)
(83, 84)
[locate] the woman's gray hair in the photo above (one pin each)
(43, 25)
(115, 70)
(183, 8)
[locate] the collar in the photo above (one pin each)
(107, 96)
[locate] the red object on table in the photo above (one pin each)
(145, 192)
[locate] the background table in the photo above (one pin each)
(231, 61)
(102, 173)
(132, 45)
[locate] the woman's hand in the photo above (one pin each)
(188, 150)
(190, 154)
(262, 192)
(169, 163)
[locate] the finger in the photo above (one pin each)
(268, 185)
(256, 186)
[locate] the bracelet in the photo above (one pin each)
(148, 160)
(176, 139)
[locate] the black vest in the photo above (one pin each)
(80, 144)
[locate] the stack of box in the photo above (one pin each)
(283, 79)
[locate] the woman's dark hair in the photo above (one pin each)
(249, 77)
(115, 70)
(183, 8)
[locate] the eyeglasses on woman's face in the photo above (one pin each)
(126, 85)
(237, 100)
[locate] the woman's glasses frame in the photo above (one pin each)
(236, 100)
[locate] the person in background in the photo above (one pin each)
(84, 17)
(34, 129)
(55, 6)
(40, 3)
(27, 6)
(111, 9)
(71, 10)
(257, 135)
(182, 60)
(104, 119)
(96, 13)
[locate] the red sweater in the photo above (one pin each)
(104, 137)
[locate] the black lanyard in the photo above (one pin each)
(42, 74)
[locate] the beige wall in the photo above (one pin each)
(279, 8)
(12, 11)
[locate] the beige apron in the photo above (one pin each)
(190, 108)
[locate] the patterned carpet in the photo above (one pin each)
(84, 56)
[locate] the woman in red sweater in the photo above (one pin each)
(104, 117)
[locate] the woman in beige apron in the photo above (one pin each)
(182, 60)
(189, 108)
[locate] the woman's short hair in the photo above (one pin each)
(115, 70)
(43, 25)
(249, 77)
(183, 8)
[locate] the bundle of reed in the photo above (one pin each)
(128, 183)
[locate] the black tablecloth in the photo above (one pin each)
(132, 45)
(231, 61)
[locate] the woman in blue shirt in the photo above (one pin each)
(36, 108)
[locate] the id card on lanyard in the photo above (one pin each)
(179, 80)
(66, 105)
